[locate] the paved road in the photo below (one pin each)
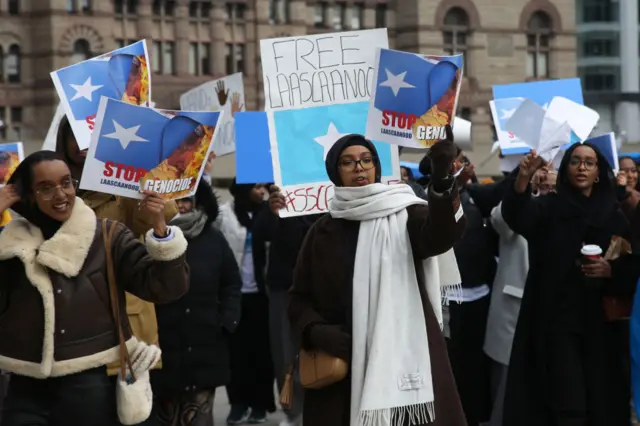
(221, 410)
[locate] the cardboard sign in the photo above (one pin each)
(225, 94)
(11, 154)
(135, 148)
(322, 69)
(414, 98)
(122, 74)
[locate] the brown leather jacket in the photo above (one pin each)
(55, 316)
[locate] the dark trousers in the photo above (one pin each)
(252, 376)
(82, 399)
(470, 365)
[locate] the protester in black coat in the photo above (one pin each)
(564, 369)
(194, 331)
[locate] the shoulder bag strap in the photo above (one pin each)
(125, 359)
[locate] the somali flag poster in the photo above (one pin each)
(135, 148)
(11, 154)
(300, 140)
(122, 74)
(413, 97)
(508, 98)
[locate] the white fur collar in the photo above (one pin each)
(64, 253)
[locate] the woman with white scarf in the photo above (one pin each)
(368, 286)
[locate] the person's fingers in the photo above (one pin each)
(449, 132)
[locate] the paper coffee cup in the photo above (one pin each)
(591, 252)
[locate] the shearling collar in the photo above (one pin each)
(64, 253)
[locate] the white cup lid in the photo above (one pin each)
(591, 250)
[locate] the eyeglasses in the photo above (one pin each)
(366, 163)
(589, 164)
(47, 192)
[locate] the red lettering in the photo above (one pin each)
(108, 168)
(91, 121)
(398, 119)
(511, 135)
(314, 204)
(128, 173)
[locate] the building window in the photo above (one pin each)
(279, 11)
(81, 51)
(119, 43)
(357, 16)
(12, 64)
(14, 7)
(538, 46)
(339, 16)
(193, 58)
(132, 7)
(234, 57)
(600, 46)
(320, 16)
(164, 7)
(600, 11)
(194, 9)
(381, 15)
(596, 82)
(455, 33)
(71, 6)
(205, 58)
(199, 56)
(167, 57)
(156, 56)
(235, 11)
(118, 7)
(157, 7)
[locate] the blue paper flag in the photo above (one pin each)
(607, 145)
(253, 151)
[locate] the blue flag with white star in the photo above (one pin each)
(122, 74)
(135, 147)
(414, 97)
(300, 141)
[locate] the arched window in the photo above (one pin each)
(12, 64)
(455, 33)
(81, 51)
(538, 46)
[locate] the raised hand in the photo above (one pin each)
(235, 104)
(442, 154)
(222, 93)
(153, 204)
(530, 164)
(277, 201)
(8, 197)
(622, 178)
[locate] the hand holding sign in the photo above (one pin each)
(277, 201)
(529, 165)
(442, 156)
(8, 197)
(153, 205)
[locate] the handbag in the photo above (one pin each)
(616, 308)
(134, 397)
(318, 369)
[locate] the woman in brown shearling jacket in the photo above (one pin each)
(57, 333)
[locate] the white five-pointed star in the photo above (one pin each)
(125, 136)
(396, 82)
(507, 113)
(329, 139)
(84, 90)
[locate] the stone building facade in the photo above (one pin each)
(192, 41)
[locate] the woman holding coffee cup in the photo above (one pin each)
(563, 370)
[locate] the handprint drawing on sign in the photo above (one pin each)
(222, 93)
(235, 104)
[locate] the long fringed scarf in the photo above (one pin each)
(390, 368)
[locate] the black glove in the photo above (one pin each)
(442, 155)
(331, 339)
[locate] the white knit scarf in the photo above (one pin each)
(390, 365)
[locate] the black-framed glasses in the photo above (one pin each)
(47, 192)
(366, 163)
(589, 164)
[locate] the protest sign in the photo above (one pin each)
(11, 154)
(52, 134)
(414, 97)
(322, 69)
(507, 99)
(136, 148)
(122, 74)
(607, 145)
(300, 140)
(253, 150)
(225, 94)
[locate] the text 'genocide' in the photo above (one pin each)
(311, 71)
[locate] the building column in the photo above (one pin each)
(181, 54)
(145, 22)
(217, 32)
(628, 113)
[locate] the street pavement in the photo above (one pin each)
(221, 410)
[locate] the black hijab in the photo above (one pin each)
(598, 207)
(22, 179)
(243, 205)
(333, 156)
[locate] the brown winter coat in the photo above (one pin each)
(322, 293)
(55, 315)
(142, 315)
